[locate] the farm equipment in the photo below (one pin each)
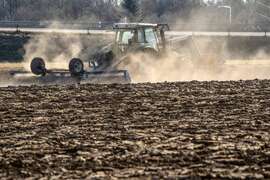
(103, 66)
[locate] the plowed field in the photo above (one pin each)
(166, 130)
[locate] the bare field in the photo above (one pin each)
(166, 130)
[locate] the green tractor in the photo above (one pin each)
(130, 39)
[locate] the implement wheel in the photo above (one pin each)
(76, 67)
(38, 66)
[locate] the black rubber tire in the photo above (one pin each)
(38, 66)
(76, 67)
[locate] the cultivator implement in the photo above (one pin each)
(76, 74)
(120, 76)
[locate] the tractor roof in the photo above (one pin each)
(136, 25)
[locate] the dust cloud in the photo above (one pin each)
(207, 67)
(208, 58)
(55, 50)
(58, 49)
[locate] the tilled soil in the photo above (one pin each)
(166, 130)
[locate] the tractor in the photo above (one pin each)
(130, 38)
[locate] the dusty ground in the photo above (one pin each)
(168, 130)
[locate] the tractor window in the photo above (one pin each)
(150, 37)
(159, 37)
(126, 36)
(118, 36)
(141, 36)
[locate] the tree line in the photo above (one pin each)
(247, 11)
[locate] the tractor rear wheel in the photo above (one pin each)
(38, 66)
(76, 67)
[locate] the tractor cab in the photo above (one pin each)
(132, 37)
